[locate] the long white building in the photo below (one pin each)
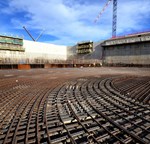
(15, 50)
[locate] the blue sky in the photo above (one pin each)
(67, 22)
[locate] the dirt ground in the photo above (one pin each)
(71, 73)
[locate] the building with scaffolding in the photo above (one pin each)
(16, 51)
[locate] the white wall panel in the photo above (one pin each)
(44, 50)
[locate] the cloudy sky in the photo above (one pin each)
(67, 22)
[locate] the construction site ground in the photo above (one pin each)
(75, 105)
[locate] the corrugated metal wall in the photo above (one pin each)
(136, 53)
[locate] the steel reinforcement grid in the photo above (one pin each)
(86, 110)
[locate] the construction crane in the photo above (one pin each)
(32, 36)
(114, 21)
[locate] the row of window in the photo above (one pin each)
(83, 51)
(85, 46)
(142, 45)
(11, 41)
(17, 48)
(9, 45)
(128, 40)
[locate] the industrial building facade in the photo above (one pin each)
(129, 50)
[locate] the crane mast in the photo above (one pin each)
(114, 21)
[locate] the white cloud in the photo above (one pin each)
(73, 21)
(132, 14)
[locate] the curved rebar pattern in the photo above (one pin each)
(85, 110)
